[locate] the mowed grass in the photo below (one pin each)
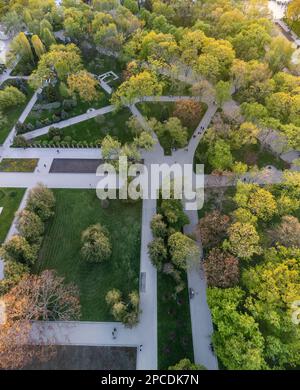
(96, 129)
(18, 164)
(10, 199)
(174, 324)
(75, 211)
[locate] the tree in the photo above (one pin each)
(125, 311)
(223, 92)
(21, 48)
(12, 23)
(158, 252)
(189, 112)
(219, 155)
(110, 148)
(279, 105)
(47, 37)
(96, 246)
(237, 340)
(245, 135)
(84, 84)
(11, 96)
(158, 226)
(41, 201)
(36, 297)
(173, 131)
(293, 10)
(173, 212)
(186, 364)
(19, 250)
(243, 240)
(142, 84)
(59, 62)
(259, 201)
(287, 233)
(13, 273)
(254, 111)
(44, 297)
(279, 54)
(144, 140)
(38, 46)
(272, 288)
(251, 41)
(221, 269)
(105, 32)
(30, 226)
(184, 251)
(262, 204)
(212, 228)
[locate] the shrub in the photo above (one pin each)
(96, 246)
(41, 201)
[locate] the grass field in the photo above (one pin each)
(95, 129)
(249, 154)
(12, 115)
(174, 324)
(36, 116)
(10, 199)
(162, 111)
(75, 211)
(18, 164)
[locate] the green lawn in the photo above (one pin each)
(95, 129)
(249, 154)
(18, 165)
(12, 115)
(75, 211)
(10, 199)
(162, 111)
(174, 324)
(36, 117)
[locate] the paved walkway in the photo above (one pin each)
(69, 122)
(202, 328)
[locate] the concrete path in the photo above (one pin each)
(202, 328)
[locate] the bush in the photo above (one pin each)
(41, 201)
(96, 246)
(20, 142)
(19, 250)
(30, 226)
(13, 273)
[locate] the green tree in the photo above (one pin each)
(243, 240)
(237, 339)
(184, 251)
(223, 93)
(142, 84)
(19, 250)
(186, 364)
(174, 214)
(41, 201)
(110, 147)
(96, 246)
(38, 46)
(30, 226)
(158, 226)
(47, 37)
(219, 155)
(10, 96)
(20, 48)
(158, 252)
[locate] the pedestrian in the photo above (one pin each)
(141, 347)
(45, 165)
